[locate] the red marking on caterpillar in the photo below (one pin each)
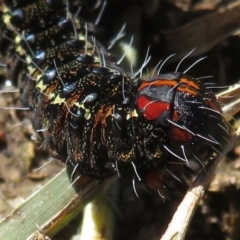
(152, 110)
(93, 116)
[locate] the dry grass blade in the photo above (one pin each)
(203, 33)
(178, 227)
(231, 101)
(48, 210)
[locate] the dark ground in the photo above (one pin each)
(217, 216)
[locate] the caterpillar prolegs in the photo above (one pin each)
(93, 115)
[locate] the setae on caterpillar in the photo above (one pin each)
(92, 115)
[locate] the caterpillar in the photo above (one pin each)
(99, 119)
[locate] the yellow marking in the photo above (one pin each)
(132, 114)
(18, 39)
(41, 86)
(20, 50)
(29, 59)
(39, 76)
(87, 115)
(6, 18)
(57, 100)
(89, 45)
(5, 9)
(31, 70)
(36, 76)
